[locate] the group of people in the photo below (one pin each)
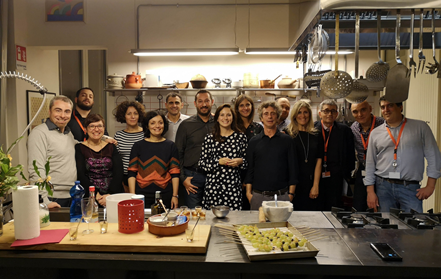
(227, 158)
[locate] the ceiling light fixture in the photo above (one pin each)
(185, 52)
(283, 51)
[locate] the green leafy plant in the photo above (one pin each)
(8, 178)
(44, 183)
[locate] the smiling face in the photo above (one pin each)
(245, 108)
(156, 126)
(285, 105)
(85, 99)
(60, 114)
(303, 117)
(174, 105)
(95, 130)
(203, 104)
(362, 112)
(225, 118)
(269, 117)
(391, 112)
(132, 117)
(328, 114)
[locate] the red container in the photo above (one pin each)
(130, 216)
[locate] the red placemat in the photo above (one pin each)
(46, 236)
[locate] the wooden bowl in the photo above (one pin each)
(167, 231)
(182, 85)
(198, 83)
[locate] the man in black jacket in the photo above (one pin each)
(339, 155)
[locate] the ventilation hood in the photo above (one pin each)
(314, 12)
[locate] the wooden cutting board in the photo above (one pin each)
(114, 241)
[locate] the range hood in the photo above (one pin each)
(322, 12)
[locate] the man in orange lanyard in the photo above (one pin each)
(395, 161)
(339, 155)
(361, 128)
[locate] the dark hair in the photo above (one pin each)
(216, 129)
(202, 92)
(239, 121)
(81, 89)
(60, 98)
(268, 104)
(172, 95)
(120, 111)
(148, 116)
(383, 98)
(91, 118)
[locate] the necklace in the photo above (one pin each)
(304, 149)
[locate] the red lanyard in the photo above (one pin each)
(325, 157)
(399, 137)
(365, 144)
(81, 126)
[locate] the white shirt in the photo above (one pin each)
(173, 127)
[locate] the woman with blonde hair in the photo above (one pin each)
(310, 152)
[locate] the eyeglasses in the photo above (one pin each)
(93, 127)
(326, 111)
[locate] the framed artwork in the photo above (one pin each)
(64, 10)
(34, 99)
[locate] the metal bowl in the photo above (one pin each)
(220, 211)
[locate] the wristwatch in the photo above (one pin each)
(177, 196)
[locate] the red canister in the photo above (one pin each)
(130, 216)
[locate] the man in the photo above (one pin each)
(53, 139)
(189, 138)
(272, 163)
(284, 120)
(83, 106)
(362, 128)
(174, 104)
(339, 155)
(395, 161)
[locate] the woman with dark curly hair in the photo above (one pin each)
(154, 164)
(130, 113)
(98, 162)
(222, 158)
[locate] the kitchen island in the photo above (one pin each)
(344, 253)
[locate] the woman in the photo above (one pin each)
(98, 162)
(244, 108)
(154, 163)
(310, 152)
(222, 158)
(130, 113)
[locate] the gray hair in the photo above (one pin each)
(329, 102)
(267, 104)
(60, 98)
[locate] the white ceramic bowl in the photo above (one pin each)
(157, 220)
(172, 216)
(281, 213)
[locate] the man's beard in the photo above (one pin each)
(202, 113)
(83, 106)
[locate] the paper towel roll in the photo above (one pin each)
(26, 212)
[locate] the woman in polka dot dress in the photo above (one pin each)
(223, 158)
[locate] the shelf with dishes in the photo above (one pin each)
(241, 89)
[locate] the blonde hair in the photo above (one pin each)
(293, 127)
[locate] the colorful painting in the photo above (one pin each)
(65, 10)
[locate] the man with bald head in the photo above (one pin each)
(283, 120)
(361, 128)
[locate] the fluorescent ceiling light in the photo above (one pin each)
(280, 51)
(185, 52)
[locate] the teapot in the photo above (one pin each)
(281, 213)
(133, 81)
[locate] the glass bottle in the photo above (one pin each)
(77, 193)
(44, 213)
(95, 205)
(157, 207)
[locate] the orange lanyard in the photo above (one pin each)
(365, 143)
(398, 141)
(325, 157)
(81, 126)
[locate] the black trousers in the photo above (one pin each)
(330, 191)
(360, 194)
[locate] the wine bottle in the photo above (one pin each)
(95, 205)
(157, 207)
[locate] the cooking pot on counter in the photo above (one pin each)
(115, 81)
(133, 81)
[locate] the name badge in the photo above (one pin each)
(326, 174)
(363, 173)
(394, 175)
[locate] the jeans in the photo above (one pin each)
(398, 196)
(198, 180)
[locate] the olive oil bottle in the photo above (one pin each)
(157, 207)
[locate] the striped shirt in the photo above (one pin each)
(125, 143)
